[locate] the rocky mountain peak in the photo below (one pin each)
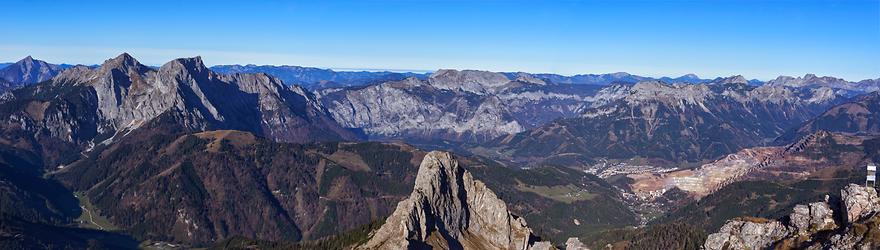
(781, 80)
(449, 209)
(28, 71)
(812, 80)
(736, 79)
(620, 74)
(649, 91)
(128, 94)
(192, 64)
(528, 78)
(652, 84)
(476, 81)
(124, 57)
(27, 59)
(690, 76)
(125, 63)
(185, 71)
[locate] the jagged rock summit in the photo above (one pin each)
(25, 72)
(480, 82)
(449, 209)
(89, 105)
(731, 80)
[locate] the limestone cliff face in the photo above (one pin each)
(811, 80)
(475, 81)
(809, 226)
(413, 109)
(449, 209)
(123, 94)
(472, 106)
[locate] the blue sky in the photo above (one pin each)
(758, 39)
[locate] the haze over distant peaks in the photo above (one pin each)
(809, 80)
(731, 79)
(317, 78)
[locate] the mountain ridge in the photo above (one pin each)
(84, 106)
(860, 115)
(25, 72)
(644, 117)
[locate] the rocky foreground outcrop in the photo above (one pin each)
(859, 201)
(811, 226)
(747, 233)
(449, 209)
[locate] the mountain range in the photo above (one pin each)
(470, 106)
(857, 116)
(670, 122)
(316, 78)
(84, 107)
(811, 80)
(123, 154)
(463, 106)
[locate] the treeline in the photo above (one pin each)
(341, 241)
(661, 236)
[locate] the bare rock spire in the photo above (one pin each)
(449, 209)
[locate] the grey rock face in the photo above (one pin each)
(742, 234)
(411, 108)
(811, 80)
(542, 245)
(848, 241)
(575, 244)
(682, 95)
(733, 79)
(476, 106)
(448, 208)
(528, 78)
(859, 201)
(816, 216)
(436, 109)
(475, 81)
(122, 94)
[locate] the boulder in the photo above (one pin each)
(859, 201)
(811, 218)
(574, 243)
(747, 233)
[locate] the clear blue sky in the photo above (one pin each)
(758, 39)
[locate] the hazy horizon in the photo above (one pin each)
(756, 39)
